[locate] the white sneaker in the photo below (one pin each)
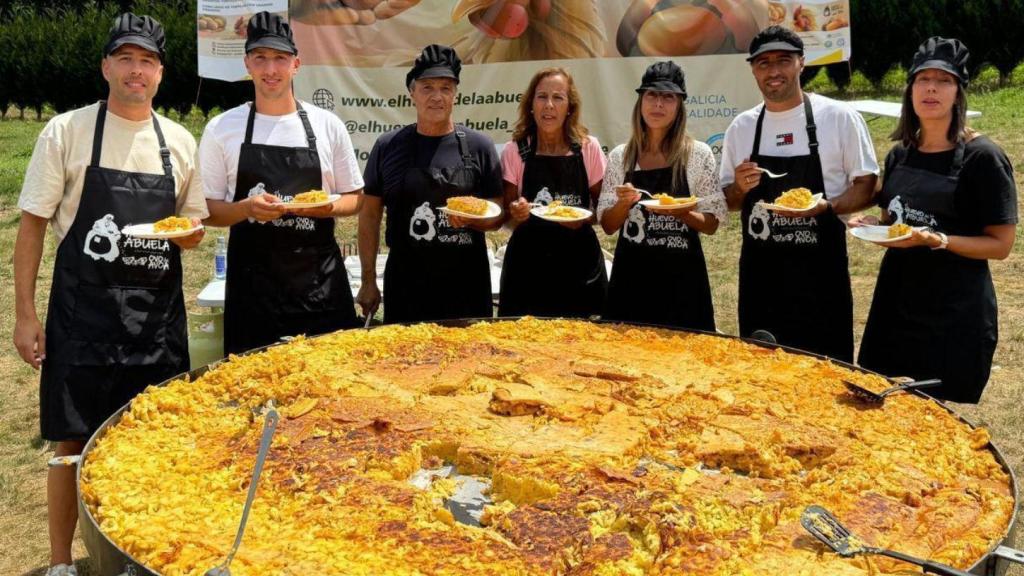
(62, 570)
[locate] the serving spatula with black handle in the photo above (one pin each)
(879, 397)
(824, 526)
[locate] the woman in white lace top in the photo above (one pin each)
(659, 253)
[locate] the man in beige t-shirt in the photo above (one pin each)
(116, 316)
(53, 181)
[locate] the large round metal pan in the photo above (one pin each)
(110, 560)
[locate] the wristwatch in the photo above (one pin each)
(943, 241)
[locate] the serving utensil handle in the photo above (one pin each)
(913, 386)
(927, 565)
(1007, 553)
(269, 425)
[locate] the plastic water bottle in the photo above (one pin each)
(220, 259)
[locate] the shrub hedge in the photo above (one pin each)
(52, 51)
(51, 48)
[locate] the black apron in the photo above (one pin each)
(794, 279)
(933, 314)
(116, 319)
(435, 271)
(287, 276)
(659, 276)
(548, 269)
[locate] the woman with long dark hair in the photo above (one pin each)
(659, 274)
(934, 310)
(551, 268)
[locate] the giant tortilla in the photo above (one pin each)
(608, 449)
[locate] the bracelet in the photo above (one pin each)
(943, 241)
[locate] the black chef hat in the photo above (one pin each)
(141, 31)
(775, 38)
(268, 30)
(436, 61)
(946, 54)
(664, 76)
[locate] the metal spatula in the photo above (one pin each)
(879, 397)
(824, 526)
(269, 425)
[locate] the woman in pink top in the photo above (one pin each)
(551, 268)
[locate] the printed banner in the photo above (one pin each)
(355, 55)
(221, 26)
(823, 25)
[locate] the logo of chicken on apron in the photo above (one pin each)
(421, 227)
(544, 197)
(101, 241)
(895, 210)
(757, 226)
(635, 224)
(256, 190)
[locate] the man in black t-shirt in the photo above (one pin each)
(437, 263)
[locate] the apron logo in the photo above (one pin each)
(759, 216)
(101, 241)
(544, 197)
(256, 190)
(635, 224)
(896, 210)
(904, 214)
(421, 227)
(784, 139)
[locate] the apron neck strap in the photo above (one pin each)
(165, 153)
(460, 137)
(97, 135)
(250, 122)
(958, 158)
(310, 137)
(956, 165)
(528, 148)
(757, 133)
(525, 149)
(97, 140)
(303, 117)
(812, 129)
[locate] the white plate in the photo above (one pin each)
(541, 212)
(878, 234)
(145, 231)
(657, 206)
(330, 198)
(492, 211)
(777, 208)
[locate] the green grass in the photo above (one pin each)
(17, 139)
(23, 455)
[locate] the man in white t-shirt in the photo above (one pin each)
(286, 275)
(794, 281)
(116, 318)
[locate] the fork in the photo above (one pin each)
(769, 173)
